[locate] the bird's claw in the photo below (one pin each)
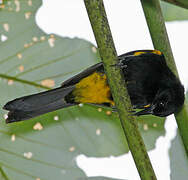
(120, 64)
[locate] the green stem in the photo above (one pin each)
(160, 40)
(101, 29)
(3, 175)
(181, 3)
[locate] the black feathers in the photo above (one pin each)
(152, 87)
(34, 105)
(151, 84)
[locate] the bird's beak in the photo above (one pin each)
(147, 110)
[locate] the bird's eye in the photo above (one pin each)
(162, 104)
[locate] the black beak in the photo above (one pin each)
(147, 110)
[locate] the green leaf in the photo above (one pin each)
(29, 57)
(178, 157)
(2, 175)
(178, 160)
(173, 13)
(96, 178)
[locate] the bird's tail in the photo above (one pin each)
(37, 104)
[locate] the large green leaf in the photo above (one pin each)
(173, 13)
(178, 157)
(178, 160)
(28, 58)
(96, 178)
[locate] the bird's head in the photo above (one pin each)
(167, 101)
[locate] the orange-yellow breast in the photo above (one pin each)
(93, 89)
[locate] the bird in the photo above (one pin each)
(153, 89)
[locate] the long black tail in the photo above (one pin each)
(34, 105)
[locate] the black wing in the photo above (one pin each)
(75, 79)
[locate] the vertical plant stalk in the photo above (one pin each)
(101, 29)
(160, 40)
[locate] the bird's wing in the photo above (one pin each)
(75, 79)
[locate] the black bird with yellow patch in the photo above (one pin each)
(151, 85)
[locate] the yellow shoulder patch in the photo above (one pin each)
(139, 53)
(93, 89)
(145, 52)
(157, 52)
(148, 105)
